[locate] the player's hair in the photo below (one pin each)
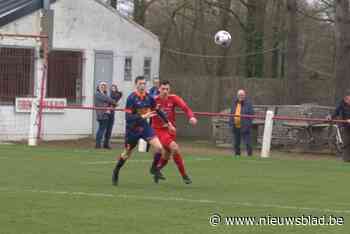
(165, 82)
(139, 78)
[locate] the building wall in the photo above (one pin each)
(87, 26)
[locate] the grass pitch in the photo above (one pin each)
(66, 190)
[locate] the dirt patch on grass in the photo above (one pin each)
(85, 143)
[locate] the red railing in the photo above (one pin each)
(205, 114)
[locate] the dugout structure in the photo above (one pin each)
(23, 71)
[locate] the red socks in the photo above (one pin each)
(162, 163)
(178, 161)
(180, 164)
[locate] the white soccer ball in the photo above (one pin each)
(223, 38)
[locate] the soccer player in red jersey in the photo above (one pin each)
(167, 103)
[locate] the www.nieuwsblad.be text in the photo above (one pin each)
(269, 220)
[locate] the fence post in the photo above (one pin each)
(142, 147)
(266, 144)
(33, 127)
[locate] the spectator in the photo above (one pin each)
(342, 111)
(154, 91)
(102, 100)
(241, 127)
(116, 96)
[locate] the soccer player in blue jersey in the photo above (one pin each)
(140, 106)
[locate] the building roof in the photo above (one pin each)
(11, 10)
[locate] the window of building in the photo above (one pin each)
(147, 64)
(16, 74)
(65, 76)
(128, 69)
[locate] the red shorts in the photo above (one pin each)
(165, 136)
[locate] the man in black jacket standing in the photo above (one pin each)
(241, 127)
(116, 95)
(102, 100)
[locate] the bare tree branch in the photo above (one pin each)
(244, 3)
(149, 3)
(243, 26)
(314, 17)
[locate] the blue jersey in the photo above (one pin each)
(154, 91)
(138, 105)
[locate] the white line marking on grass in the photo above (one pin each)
(200, 159)
(140, 161)
(98, 162)
(177, 199)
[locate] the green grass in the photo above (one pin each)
(55, 190)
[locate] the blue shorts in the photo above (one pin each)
(132, 137)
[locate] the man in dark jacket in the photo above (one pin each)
(241, 127)
(102, 100)
(343, 112)
(154, 91)
(116, 96)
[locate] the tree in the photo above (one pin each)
(278, 38)
(254, 34)
(342, 35)
(114, 4)
(140, 10)
(293, 85)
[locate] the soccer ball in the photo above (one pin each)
(223, 38)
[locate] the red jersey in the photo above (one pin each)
(168, 105)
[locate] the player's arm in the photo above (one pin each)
(184, 107)
(162, 115)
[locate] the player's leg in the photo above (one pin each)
(121, 161)
(156, 159)
(161, 161)
(150, 137)
(130, 144)
(155, 143)
(160, 133)
(179, 161)
(167, 140)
